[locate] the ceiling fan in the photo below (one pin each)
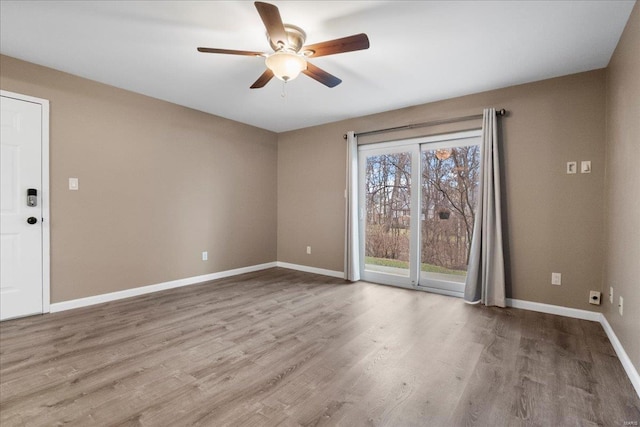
(289, 58)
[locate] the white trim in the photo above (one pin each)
(307, 269)
(22, 97)
(554, 309)
(44, 191)
(127, 293)
(631, 371)
(46, 217)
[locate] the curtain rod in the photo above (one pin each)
(501, 112)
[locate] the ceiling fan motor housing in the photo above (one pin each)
(295, 39)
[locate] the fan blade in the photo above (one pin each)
(331, 47)
(273, 22)
(230, 51)
(321, 75)
(263, 79)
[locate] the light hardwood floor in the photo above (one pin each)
(280, 347)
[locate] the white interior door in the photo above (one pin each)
(22, 272)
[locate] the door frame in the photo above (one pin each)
(44, 200)
(410, 281)
(446, 140)
(415, 147)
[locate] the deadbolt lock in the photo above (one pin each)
(32, 197)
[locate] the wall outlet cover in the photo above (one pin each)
(594, 297)
(621, 306)
(556, 279)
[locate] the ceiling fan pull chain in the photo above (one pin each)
(284, 90)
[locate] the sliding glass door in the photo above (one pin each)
(417, 209)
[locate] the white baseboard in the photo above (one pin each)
(113, 296)
(554, 309)
(631, 371)
(628, 366)
(127, 293)
(307, 269)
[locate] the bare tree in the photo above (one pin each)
(387, 209)
(449, 198)
(449, 192)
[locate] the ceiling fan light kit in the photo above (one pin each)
(290, 55)
(286, 65)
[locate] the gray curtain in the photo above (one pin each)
(485, 274)
(352, 235)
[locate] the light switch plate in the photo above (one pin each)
(585, 166)
(556, 279)
(73, 184)
(572, 168)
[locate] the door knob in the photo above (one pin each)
(32, 220)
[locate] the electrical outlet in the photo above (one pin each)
(308, 250)
(556, 279)
(611, 294)
(594, 297)
(621, 306)
(205, 255)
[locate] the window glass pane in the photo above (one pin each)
(387, 213)
(449, 191)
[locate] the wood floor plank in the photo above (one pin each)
(281, 347)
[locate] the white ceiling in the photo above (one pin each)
(421, 51)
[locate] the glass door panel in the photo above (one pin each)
(449, 188)
(385, 196)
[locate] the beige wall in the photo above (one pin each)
(555, 221)
(159, 184)
(622, 221)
